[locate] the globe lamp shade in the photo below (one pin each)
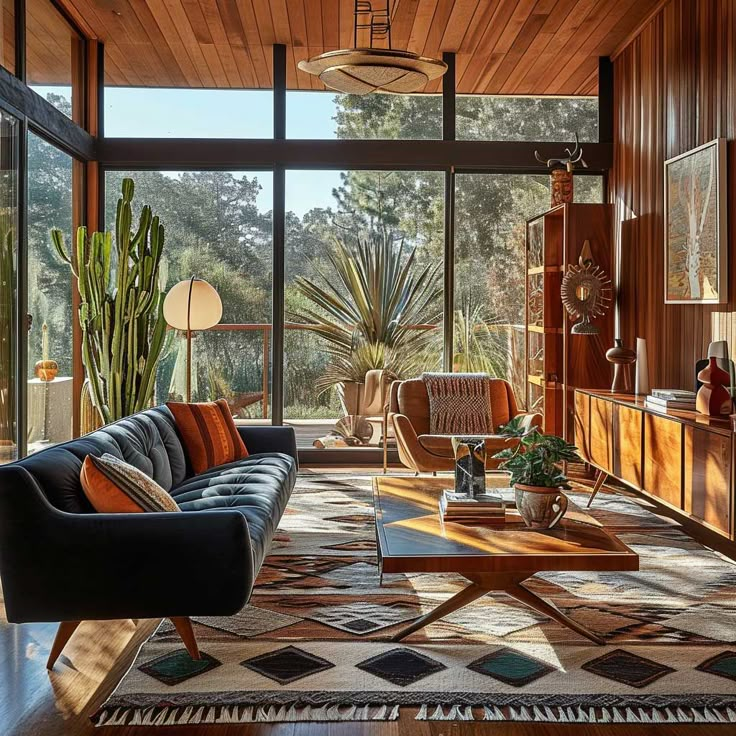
(193, 304)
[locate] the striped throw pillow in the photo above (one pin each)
(115, 487)
(209, 433)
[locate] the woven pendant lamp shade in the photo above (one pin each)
(363, 71)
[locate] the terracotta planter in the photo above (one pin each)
(539, 506)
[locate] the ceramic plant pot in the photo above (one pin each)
(539, 506)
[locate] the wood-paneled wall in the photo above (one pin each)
(675, 88)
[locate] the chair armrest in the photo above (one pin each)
(530, 419)
(57, 566)
(260, 439)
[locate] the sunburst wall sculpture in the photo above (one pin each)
(586, 292)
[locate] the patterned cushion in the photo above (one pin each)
(209, 434)
(113, 486)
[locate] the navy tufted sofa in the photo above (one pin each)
(62, 561)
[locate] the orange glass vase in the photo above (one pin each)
(714, 398)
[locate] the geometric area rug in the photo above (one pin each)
(314, 642)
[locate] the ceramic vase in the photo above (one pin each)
(621, 358)
(539, 506)
(714, 398)
(641, 385)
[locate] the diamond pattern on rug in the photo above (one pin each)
(627, 668)
(178, 666)
(287, 665)
(364, 618)
(723, 665)
(711, 622)
(511, 667)
(401, 666)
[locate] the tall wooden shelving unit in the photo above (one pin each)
(558, 362)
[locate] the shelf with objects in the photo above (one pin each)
(557, 359)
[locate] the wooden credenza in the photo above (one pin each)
(681, 458)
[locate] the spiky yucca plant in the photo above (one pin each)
(367, 310)
(482, 343)
(121, 310)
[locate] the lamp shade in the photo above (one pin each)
(192, 305)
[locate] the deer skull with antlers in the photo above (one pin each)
(573, 157)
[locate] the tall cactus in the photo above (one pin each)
(121, 313)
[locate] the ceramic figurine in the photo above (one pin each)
(714, 398)
(622, 358)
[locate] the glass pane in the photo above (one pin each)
(506, 118)
(49, 296)
(491, 211)
(338, 221)
(218, 227)
(146, 112)
(321, 115)
(7, 35)
(9, 131)
(54, 58)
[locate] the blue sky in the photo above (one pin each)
(202, 113)
(194, 113)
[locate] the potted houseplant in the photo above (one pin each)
(536, 474)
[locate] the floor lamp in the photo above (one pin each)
(192, 305)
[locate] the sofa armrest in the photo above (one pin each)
(57, 566)
(260, 439)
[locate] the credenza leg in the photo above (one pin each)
(599, 481)
(63, 634)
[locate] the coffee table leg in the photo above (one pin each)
(525, 596)
(465, 596)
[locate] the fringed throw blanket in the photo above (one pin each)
(459, 403)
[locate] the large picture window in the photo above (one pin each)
(217, 227)
(49, 415)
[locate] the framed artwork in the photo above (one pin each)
(695, 250)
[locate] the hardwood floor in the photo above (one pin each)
(35, 702)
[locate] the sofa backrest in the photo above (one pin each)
(413, 402)
(148, 440)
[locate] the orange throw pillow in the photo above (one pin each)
(113, 486)
(209, 434)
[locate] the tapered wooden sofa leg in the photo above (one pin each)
(183, 625)
(63, 634)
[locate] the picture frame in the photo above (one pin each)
(695, 248)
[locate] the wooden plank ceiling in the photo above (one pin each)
(503, 46)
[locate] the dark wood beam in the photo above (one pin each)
(45, 118)
(448, 98)
(605, 100)
(230, 154)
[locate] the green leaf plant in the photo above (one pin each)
(369, 310)
(536, 458)
(121, 307)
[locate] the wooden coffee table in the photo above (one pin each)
(412, 538)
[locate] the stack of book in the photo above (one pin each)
(464, 509)
(671, 398)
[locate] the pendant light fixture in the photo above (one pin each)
(362, 70)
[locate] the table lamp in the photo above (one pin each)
(192, 305)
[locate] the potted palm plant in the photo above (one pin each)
(535, 466)
(366, 310)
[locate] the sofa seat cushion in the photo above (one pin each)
(258, 486)
(441, 444)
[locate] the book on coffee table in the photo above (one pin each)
(482, 508)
